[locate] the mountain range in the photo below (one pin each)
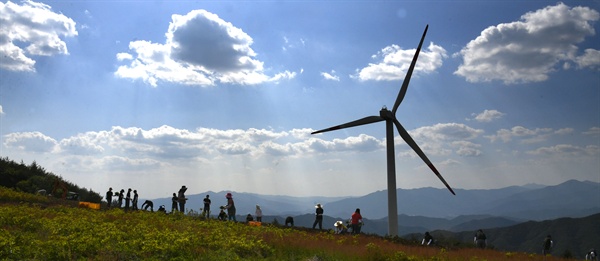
(505, 205)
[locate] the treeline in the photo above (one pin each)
(33, 178)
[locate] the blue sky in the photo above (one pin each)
(217, 96)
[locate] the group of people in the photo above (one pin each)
(355, 221)
(179, 199)
(130, 203)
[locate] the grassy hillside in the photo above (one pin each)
(36, 228)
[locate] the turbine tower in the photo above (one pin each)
(390, 120)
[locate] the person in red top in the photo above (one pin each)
(356, 222)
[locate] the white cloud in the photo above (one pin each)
(530, 49)
(35, 142)
(488, 115)
(593, 131)
(393, 63)
(1, 110)
(200, 49)
(446, 131)
(330, 76)
(566, 150)
(526, 135)
(34, 26)
(590, 58)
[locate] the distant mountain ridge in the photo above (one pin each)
(516, 203)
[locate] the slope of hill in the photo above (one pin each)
(571, 235)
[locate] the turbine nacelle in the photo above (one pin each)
(386, 114)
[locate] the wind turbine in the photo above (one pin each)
(390, 120)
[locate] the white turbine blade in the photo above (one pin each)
(409, 74)
(409, 140)
(363, 121)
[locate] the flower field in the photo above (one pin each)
(33, 231)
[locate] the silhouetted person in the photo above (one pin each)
(174, 202)
(258, 213)
(109, 195)
(206, 210)
(249, 218)
(148, 204)
(120, 200)
(230, 207)
(128, 199)
(289, 220)
(182, 199)
(318, 217)
(427, 239)
(134, 201)
(480, 239)
(356, 222)
(547, 245)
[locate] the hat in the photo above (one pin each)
(337, 223)
(228, 195)
(318, 205)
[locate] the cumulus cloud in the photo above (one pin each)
(531, 48)
(446, 131)
(35, 142)
(526, 135)
(593, 131)
(567, 150)
(330, 76)
(393, 63)
(31, 29)
(488, 115)
(200, 49)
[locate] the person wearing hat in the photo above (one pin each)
(258, 213)
(318, 217)
(181, 198)
(230, 207)
(340, 228)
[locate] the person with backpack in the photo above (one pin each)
(480, 239)
(427, 239)
(318, 217)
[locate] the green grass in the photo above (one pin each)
(32, 228)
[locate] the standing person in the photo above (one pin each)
(480, 239)
(135, 200)
(174, 201)
(230, 207)
(258, 213)
(427, 239)
(109, 195)
(356, 222)
(182, 198)
(120, 200)
(289, 220)
(592, 255)
(318, 217)
(128, 199)
(206, 210)
(547, 245)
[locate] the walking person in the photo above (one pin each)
(318, 217)
(109, 195)
(547, 245)
(258, 213)
(480, 239)
(356, 222)
(230, 207)
(174, 202)
(134, 202)
(182, 199)
(206, 209)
